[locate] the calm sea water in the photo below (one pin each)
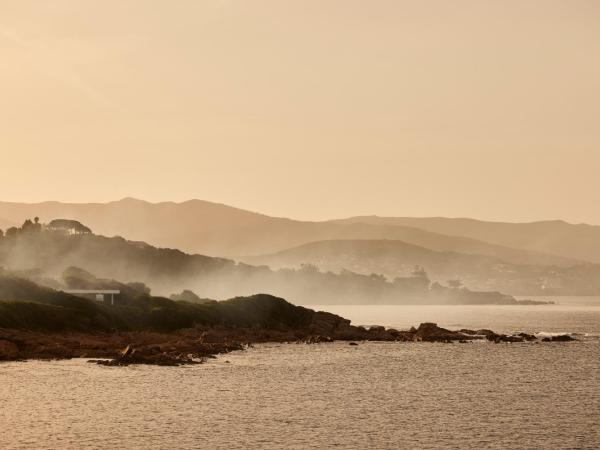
(567, 315)
(375, 395)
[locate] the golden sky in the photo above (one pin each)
(309, 108)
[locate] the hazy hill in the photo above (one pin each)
(578, 241)
(390, 258)
(42, 255)
(213, 229)
(397, 258)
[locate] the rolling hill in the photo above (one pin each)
(387, 257)
(576, 241)
(198, 226)
(396, 258)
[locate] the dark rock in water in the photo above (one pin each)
(492, 335)
(377, 328)
(560, 338)
(469, 332)
(317, 339)
(397, 335)
(8, 350)
(352, 343)
(504, 338)
(131, 355)
(430, 332)
(485, 333)
(527, 337)
(497, 338)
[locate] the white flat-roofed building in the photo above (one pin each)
(98, 294)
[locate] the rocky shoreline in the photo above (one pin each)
(193, 346)
(144, 329)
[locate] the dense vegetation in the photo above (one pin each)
(26, 305)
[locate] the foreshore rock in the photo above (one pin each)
(192, 346)
(430, 332)
(149, 355)
(560, 338)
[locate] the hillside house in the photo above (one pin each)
(68, 227)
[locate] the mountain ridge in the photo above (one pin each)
(578, 241)
(216, 229)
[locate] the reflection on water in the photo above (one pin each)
(375, 395)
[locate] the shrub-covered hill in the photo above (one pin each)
(26, 305)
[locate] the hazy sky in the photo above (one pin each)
(311, 109)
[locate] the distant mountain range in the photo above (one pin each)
(198, 226)
(556, 237)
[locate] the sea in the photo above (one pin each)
(297, 396)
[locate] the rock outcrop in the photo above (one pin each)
(430, 332)
(194, 345)
(149, 355)
(559, 338)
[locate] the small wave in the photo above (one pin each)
(551, 333)
(562, 333)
